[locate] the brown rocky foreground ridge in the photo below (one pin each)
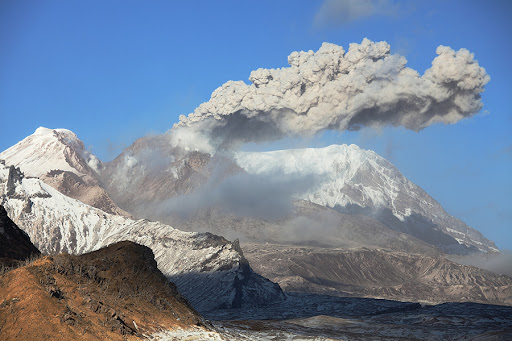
(115, 293)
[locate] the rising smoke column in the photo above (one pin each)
(333, 90)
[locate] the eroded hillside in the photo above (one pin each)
(115, 293)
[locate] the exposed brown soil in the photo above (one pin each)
(115, 293)
(85, 189)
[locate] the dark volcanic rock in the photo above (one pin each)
(14, 243)
(321, 317)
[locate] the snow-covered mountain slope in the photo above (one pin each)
(353, 179)
(346, 178)
(59, 158)
(209, 270)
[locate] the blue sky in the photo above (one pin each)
(113, 71)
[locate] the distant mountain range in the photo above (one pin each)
(375, 273)
(348, 179)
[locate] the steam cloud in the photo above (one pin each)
(339, 12)
(243, 194)
(500, 263)
(335, 90)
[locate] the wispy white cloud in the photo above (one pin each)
(342, 12)
(507, 150)
(500, 263)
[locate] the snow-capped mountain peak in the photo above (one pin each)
(346, 178)
(340, 166)
(354, 177)
(52, 149)
(60, 159)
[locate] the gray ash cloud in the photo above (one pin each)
(334, 89)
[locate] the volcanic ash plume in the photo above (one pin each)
(331, 89)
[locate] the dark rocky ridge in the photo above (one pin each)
(130, 270)
(15, 244)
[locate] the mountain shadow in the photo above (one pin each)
(15, 244)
